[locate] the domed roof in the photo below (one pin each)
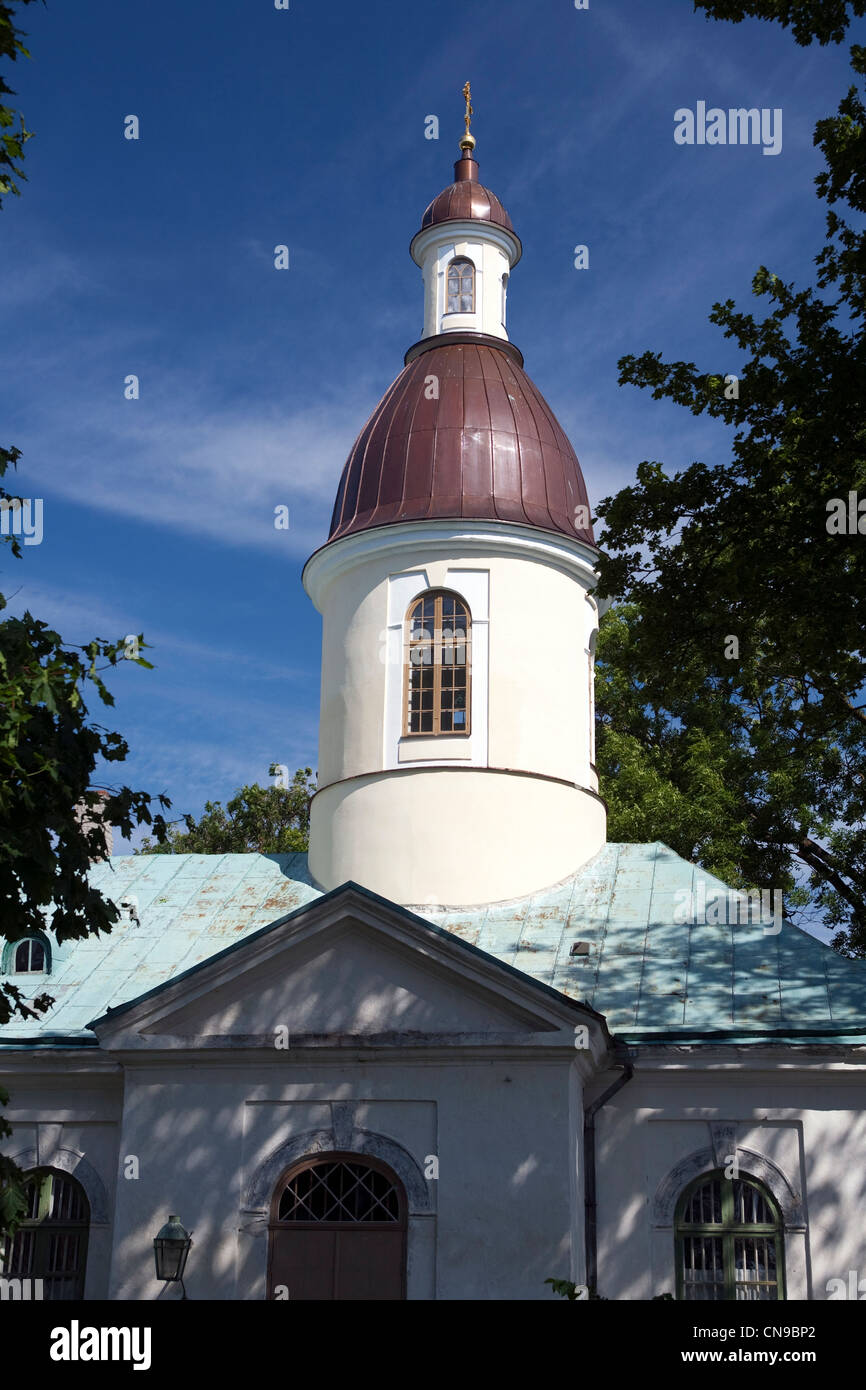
(466, 199)
(488, 448)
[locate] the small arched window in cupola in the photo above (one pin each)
(437, 665)
(32, 956)
(461, 287)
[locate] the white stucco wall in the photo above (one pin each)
(401, 1043)
(496, 1223)
(65, 1109)
(431, 837)
(507, 1211)
(797, 1122)
(531, 714)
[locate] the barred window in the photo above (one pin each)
(461, 287)
(51, 1242)
(729, 1241)
(437, 665)
(339, 1191)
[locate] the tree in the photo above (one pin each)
(48, 755)
(708, 774)
(824, 20)
(257, 820)
(743, 590)
(13, 132)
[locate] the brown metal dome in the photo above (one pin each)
(488, 448)
(466, 199)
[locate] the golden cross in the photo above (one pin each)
(468, 115)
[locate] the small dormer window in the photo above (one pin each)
(461, 287)
(30, 957)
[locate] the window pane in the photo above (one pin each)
(51, 1244)
(755, 1268)
(705, 1205)
(733, 1264)
(437, 660)
(461, 287)
(67, 1202)
(16, 1254)
(750, 1205)
(703, 1268)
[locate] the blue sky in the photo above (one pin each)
(306, 127)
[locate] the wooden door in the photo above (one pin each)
(338, 1231)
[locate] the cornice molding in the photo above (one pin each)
(466, 229)
(411, 541)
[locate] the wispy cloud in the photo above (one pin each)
(211, 472)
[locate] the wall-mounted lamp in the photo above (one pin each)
(170, 1249)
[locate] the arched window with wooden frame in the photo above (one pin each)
(338, 1231)
(437, 665)
(461, 286)
(50, 1244)
(729, 1241)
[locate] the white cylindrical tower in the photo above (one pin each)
(455, 745)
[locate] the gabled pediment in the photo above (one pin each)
(349, 968)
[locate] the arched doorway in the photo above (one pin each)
(338, 1230)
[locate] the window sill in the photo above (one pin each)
(416, 748)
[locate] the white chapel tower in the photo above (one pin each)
(456, 736)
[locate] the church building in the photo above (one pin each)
(466, 1045)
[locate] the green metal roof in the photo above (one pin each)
(190, 906)
(654, 977)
